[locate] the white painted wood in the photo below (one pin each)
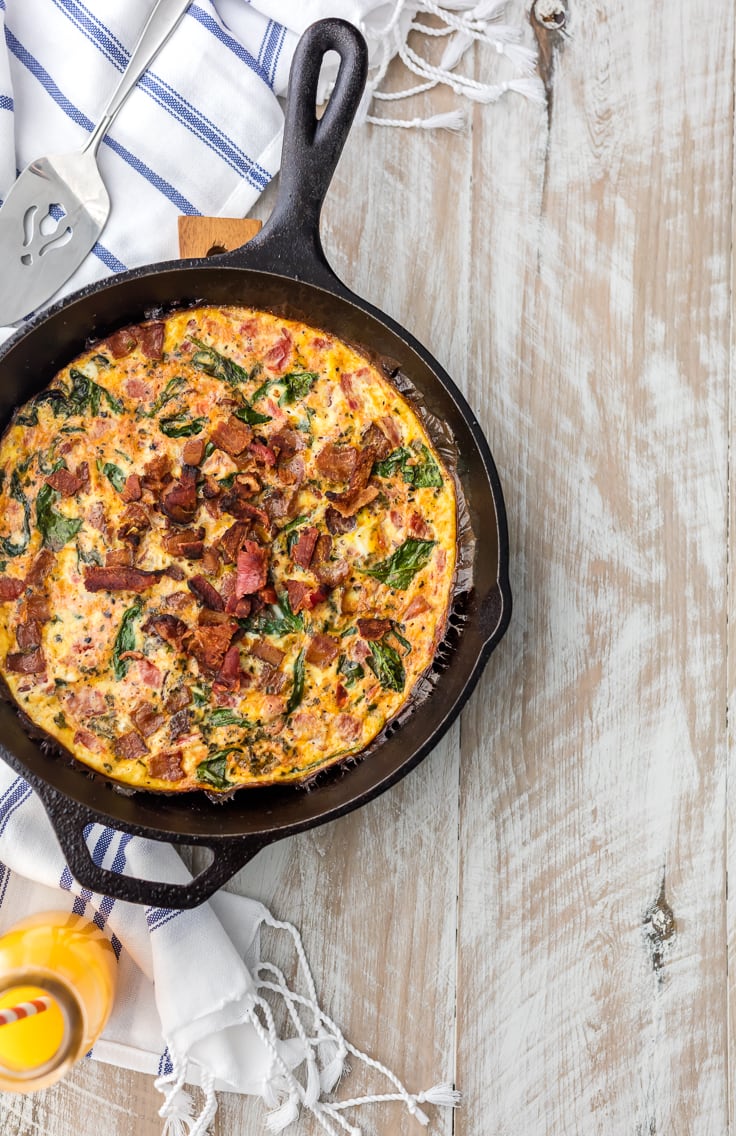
(502, 909)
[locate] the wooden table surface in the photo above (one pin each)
(540, 910)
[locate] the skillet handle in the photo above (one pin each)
(289, 243)
(69, 820)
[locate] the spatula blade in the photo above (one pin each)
(49, 221)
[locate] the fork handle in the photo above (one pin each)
(165, 16)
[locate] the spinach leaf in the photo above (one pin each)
(54, 527)
(16, 492)
(201, 694)
(400, 568)
(114, 475)
(252, 417)
(217, 365)
(278, 619)
(387, 666)
(295, 523)
(224, 717)
(393, 463)
(91, 557)
(181, 426)
(350, 670)
(297, 690)
(125, 640)
(264, 388)
(170, 391)
(397, 635)
(88, 395)
(213, 770)
(296, 386)
(27, 415)
(425, 473)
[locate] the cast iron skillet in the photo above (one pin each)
(283, 270)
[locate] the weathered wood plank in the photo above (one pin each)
(593, 759)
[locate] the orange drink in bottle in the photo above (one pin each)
(67, 966)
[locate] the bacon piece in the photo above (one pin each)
(186, 542)
(287, 441)
(11, 589)
(42, 564)
(359, 650)
(322, 549)
(211, 560)
(132, 489)
(179, 501)
(28, 635)
(166, 766)
(147, 719)
(322, 650)
(177, 601)
(174, 572)
(169, 628)
(193, 451)
(418, 527)
(157, 473)
(348, 389)
(341, 695)
(303, 549)
(266, 651)
(391, 429)
(232, 540)
(417, 606)
(293, 471)
(151, 337)
(297, 591)
(278, 506)
(122, 343)
(65, 482)
(137, 388)
(119, 557)
(262, 453)
(337, 462)
(211, 488)
(229, 676)
(130, 746)
(337, 524)
(119, 579)
(348, 504)
(209, 645)
(375, 437)
(180, 697)
(88, 740)
(252, 569)
(86, 702)
(31, 662)
(348, 726)
(135, 521)
(275, 358)
(232, 436)
(328, 572)
(205, 593)
(98, 519)
(83, 473)
(37, 608)
(179, 725)
(374, 628)
(239, 606)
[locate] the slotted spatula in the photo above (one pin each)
(58, 206)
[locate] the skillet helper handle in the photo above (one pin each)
(69, 819)
(289, 241)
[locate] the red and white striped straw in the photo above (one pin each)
(24, 1010)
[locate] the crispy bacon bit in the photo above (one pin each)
(337, 524)
(28, 635)
(341, 696)
(209, 645)
(322, 549)
(42, 564)
(119, 557)
(88, 740)
(98, 519)
(37, 608)
(297, 591)
(157, 473)
(151, 336)
(240, 607)
(179, 724)
(132, 489)
(205, 593)
(417, 606)
(287, 441)
(392, 430)
(211, 488)
(278, 506)
(348, 504)
(232, 540)
(174, 572)
(374, 628)
(262, 453)
(418, 527)
(229, 676)
(180, 697)
(188, 543)
(193, 451)
(211, 560)
(275, 358)
(32, 662)
(177, 601)
(118, 579)
(179, 502)
(273, 681)
(303, 549)
(86, 702)
(147, 719)
(11, 589)
(359, 650)
(322, 650)
(130, 746)
(135, 521)
(166, 766)
(122, 343)
(65, 482)
(169, 628)
(266, 651)
(336, 462)
(375, 437)
(292, 472)
(348, 726)
(232, 436)
(328, 572)
(348, 388)
(252, 569)
(83, 473)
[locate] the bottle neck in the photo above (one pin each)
(49, 1068)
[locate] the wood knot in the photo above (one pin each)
(551, 14)
(659, 927)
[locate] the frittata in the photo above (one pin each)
(227, 550)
